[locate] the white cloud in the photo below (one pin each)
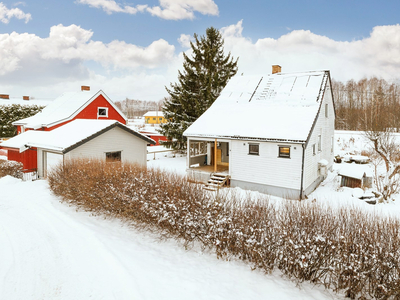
(184, 40)
(300, 50)
(69, 57)
(110, 6)
(183, 9)
(6, 14)
(168, 9)
(73, 43)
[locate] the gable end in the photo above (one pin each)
(116, 124)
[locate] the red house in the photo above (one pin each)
(157, 137)
(70, 106)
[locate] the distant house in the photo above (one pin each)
(70, 106)
(271, 133)
(154, 117)
(157, 137)
(108, 140)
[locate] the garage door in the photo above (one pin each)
(52, 160)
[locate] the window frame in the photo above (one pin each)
(326, 110)
(101, 115)
(319, 142)
(253, 152)
(117, 156)
(282, 154)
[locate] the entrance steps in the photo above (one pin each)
(217, 181)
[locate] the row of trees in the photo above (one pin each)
(137, 108)
(367, 103)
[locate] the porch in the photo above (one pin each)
(206, 157)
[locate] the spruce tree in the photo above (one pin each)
(204, 76)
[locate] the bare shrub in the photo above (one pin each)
(345, 249)
(12, 168)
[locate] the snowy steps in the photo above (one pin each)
(216, 181)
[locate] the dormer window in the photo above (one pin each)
(102, 112)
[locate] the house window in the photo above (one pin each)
(313, 149)
(198, 148)
(254, 149)
(332, 144)
(102, 112)
(326, 110)
(319, 143)
(284, 151)
(113, 156)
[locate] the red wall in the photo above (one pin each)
(157, 139)
(90, 112)
(28, 158)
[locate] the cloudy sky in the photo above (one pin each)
(134, 49)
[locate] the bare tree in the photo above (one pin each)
(380, 131)
(385, 152)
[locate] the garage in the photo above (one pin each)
(51, 160)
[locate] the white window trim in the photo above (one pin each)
(326, 110)
(282, 155)
(102, 116)
(258, 150)
(319, 143)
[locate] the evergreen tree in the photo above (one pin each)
(204, 76)
(15, 112)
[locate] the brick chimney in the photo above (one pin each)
(4, 96)
(276, 69)
(85, 88)
(25, 97)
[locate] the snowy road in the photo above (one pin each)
(50, 251)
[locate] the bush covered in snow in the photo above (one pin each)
(12, 168)
(346, 250)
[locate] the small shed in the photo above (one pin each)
(355, 176)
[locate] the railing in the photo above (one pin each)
(29, 175)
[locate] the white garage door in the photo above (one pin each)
(52, 160)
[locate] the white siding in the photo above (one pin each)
(133, 149)
(266, 168)
(325, 127)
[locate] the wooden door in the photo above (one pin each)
(219, 155)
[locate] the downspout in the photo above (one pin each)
(302, 171)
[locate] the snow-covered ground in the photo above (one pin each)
(50, 251)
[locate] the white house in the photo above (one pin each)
(108, 140)
(271, 133)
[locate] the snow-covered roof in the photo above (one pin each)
(356, 171)
(62, 109)
(154, 113)
(278, 106)
(31, 102)
(66, 137)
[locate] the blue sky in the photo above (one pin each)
(134, 49)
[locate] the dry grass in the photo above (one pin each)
(345, 250)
